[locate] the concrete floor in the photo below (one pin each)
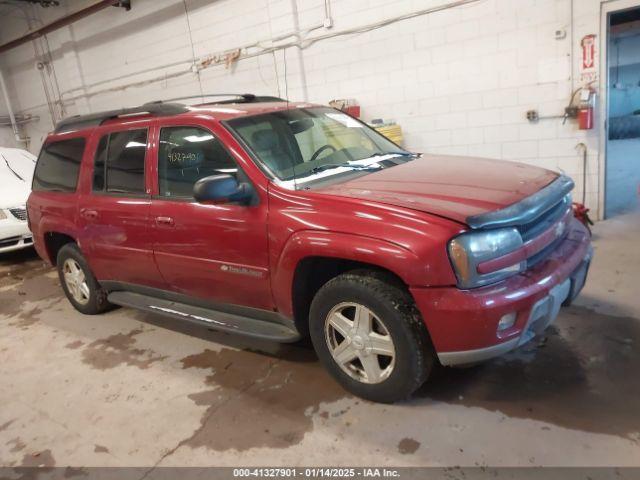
(130, 389)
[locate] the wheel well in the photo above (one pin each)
(313, 272)
(54, 241)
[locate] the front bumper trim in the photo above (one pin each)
(469, 357)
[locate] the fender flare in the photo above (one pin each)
(389, 256)
(60, 225)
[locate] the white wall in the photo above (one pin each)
(459, 81)
(7, 139)
(6, 134)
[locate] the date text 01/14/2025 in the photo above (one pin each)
(316, 472)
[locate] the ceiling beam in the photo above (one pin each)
(62, 22)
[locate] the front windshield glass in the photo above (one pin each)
(303, 145)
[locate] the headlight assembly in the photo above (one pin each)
(469, 250)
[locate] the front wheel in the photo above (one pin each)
(370, 337)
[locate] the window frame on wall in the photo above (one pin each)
(145, 174)
(241, 175)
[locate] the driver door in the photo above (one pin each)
(215, 252)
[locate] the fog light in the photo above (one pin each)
(507, 321)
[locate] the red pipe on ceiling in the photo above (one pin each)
(61, 22)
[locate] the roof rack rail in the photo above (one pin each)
(157, 107)
(94, 119)
(250, 98)
(237, 98)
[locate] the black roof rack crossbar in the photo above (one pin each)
(94, 119)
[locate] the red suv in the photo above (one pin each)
(286, 220)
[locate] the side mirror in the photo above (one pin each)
(220, 189)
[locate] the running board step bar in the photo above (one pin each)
(214, 319)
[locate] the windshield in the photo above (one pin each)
(303, 145)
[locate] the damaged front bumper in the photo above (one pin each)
(464, 324)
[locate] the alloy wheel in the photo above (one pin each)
(360, 343)
(76, 281)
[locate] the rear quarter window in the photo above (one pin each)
(58, 166)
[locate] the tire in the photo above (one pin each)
(94, 298)
(393, 316)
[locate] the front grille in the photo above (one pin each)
(19, 213)
(535, 259)
(542, 219)
(543, 222)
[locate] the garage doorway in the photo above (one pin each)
(622, 132)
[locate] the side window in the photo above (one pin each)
(186, 155)
(58, 166)
(119, 162)
(125, 161)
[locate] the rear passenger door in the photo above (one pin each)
(214, 252)
(114, 212)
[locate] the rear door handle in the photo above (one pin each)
(89, 214)
(165, 221)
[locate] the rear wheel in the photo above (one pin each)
(370, 337)
(78, 282)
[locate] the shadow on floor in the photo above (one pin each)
(582, 375)
(18, 259)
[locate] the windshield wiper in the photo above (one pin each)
(400, 153)
(9, 167)
(330, 166)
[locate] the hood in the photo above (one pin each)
(448, 186)
(16, 173)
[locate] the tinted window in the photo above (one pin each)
(125, 161)
(186, 155)
(99, 164)
(58, 166)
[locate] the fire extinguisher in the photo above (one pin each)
(586, 107)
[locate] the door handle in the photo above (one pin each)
(89, 214)
(165, 221)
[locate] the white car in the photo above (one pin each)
(16, 173)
